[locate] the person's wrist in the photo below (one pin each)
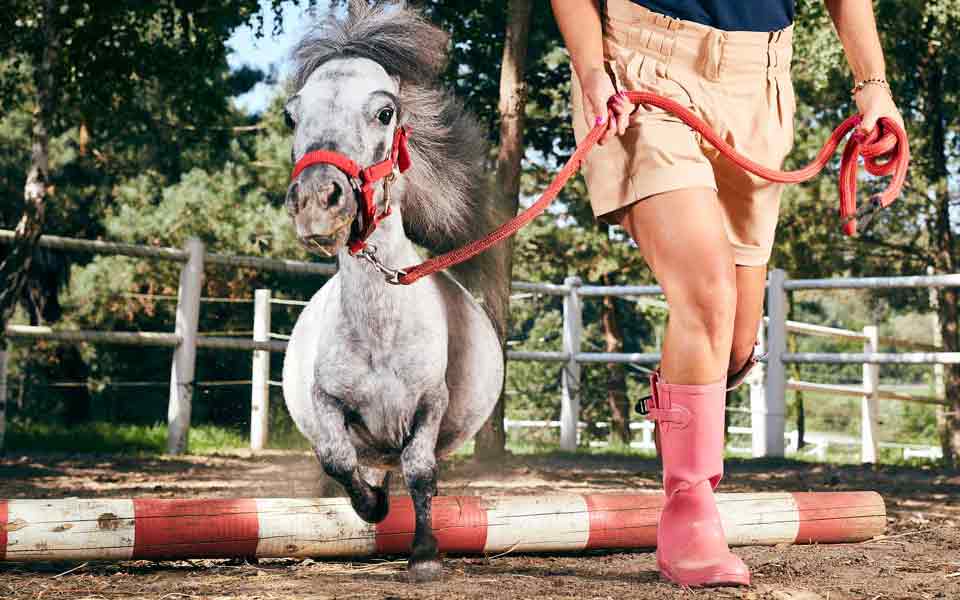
(860, 85)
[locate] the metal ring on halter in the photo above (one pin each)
(369, 254)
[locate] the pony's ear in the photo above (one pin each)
(403, 152)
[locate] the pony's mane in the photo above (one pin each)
(448, 199)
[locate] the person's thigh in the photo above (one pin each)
(681, 236)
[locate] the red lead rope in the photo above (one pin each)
(888, 139)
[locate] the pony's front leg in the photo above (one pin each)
(338, 458)
(419, 462)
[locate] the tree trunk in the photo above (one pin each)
(945, 252)
(617, 399)
(13, 269)
(491, 439)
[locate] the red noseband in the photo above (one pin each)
(362, 181)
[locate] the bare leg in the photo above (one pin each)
(420, 471)
(751, 282)
(681, 236)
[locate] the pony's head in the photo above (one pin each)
(356, 80)
(349, 99)
(348, 106)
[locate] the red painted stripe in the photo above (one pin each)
(837, 517)
(623, 520)
(193, 528)
(459, 523)
(4, 513)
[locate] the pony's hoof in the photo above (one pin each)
(424, 571)
(373, 505)
(381, 505)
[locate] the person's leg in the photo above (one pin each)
(682, 237)
(751, 286)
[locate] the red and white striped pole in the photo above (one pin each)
(128, 529)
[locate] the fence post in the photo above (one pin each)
(570, 401)
(769, 419)
(869, 432)
(185, 354)
(756, 381)
(260, 396)
(939, 371)
(3, 392)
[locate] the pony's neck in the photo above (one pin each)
(365, 295)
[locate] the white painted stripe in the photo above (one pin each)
(312, 527)
(537, 524)
(769, 518)
(70, 529)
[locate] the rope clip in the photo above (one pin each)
(867, 212)
(391, 276)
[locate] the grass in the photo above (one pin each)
(112, 438)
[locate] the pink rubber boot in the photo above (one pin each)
(691, 548)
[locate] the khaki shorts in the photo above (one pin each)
(738, 82)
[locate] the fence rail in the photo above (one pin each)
(768, 385)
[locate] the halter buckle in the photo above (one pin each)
(387, 182)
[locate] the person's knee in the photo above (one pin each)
(708, 306)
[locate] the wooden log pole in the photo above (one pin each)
(105, 529)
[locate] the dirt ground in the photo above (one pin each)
(918, 558)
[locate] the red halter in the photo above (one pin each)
(362, 181)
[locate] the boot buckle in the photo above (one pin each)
(660, 409)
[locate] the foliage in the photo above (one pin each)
(147, 148)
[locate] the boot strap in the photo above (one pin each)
(656, 409)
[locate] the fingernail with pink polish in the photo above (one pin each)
(599, 121)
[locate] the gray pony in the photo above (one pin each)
(380, 376)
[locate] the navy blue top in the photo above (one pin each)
(747, 15)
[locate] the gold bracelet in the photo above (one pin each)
(859, 85)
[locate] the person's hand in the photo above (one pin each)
(875, 101)
(597, 90)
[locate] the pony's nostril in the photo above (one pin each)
(333, 197)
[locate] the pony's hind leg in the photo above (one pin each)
(370, 502)
(379, 480)
(419, 464)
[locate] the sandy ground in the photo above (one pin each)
(919, 557)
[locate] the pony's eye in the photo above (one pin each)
(385, 116)
(288, 120)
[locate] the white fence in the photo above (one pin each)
(768, 385)
(185, 338)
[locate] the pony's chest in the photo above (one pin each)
(368, 374)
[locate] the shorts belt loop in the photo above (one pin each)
(711, 55)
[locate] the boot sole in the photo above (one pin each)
(706, 579)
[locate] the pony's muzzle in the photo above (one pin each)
(322, 208)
